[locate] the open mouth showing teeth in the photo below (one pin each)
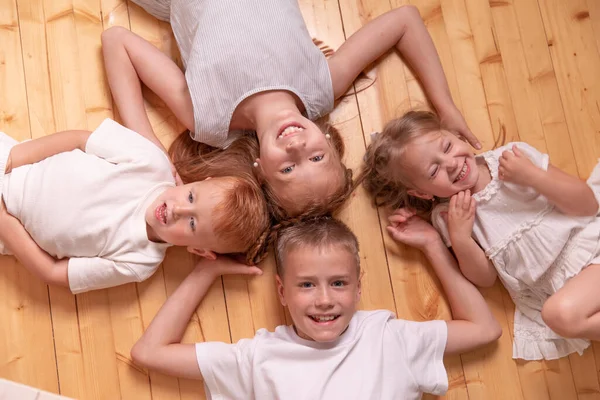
(463, 172)
(324, 318)
(161, 213)
(290, 130)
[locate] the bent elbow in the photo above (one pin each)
(495, 332)
(139, 354)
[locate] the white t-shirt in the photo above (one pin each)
(90, 206)
(378, 357)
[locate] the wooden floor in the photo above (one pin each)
(532, 65)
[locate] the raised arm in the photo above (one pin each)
(36, 150)
(129, 59)
(160, 346)
(569, 194)
(471, 259)
(403, 29)
(473, 324)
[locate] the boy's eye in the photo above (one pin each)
(287, 170)
(190, 197)
(338, 283)
(306, 285)
(193, 224)
(316, 158)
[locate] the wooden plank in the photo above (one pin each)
(376, 285)
(99, 376)
(576, 62)
(24, 309)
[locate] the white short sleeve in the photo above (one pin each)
(538, 158)
(440, 224)
(116, 144)
(424, 344)
(226, 368)
(93, 273)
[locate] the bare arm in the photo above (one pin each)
(36, 150)
(473, 324)
(471, 259)
(129, 59)
(160, 346)
(403, 29)
(569, 194)
(36, 260)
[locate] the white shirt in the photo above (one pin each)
(378, 357)
(90, 206)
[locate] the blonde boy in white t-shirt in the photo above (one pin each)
(332, 351)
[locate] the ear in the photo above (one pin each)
(359, 291)
(202, 253)
(280, 290)
(421, 195)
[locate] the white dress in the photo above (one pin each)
(535, 249)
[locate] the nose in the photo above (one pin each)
(295, 144)
(451, 162)
(180, 211)
(324, 299)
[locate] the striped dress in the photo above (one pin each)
(234, 49)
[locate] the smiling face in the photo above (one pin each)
(183, 216)
(321, 289)
(439, 164)
(298, 161)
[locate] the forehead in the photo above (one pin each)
(321, 261)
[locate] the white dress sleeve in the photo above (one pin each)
(440, 224)
(226, 368)
(423, 344)
(93, 273)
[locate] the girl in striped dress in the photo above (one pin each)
(251, 66)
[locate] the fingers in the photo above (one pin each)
(516, 150)
(472, 139)
(394, 233)
(243, 270)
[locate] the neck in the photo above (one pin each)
(484, 176)
(257, 111)
(152, 236)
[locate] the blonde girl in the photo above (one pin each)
(252, 66)
(510, 214)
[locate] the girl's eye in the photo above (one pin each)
(316, 158)
(434, 172)
(193, 224)
(338, 283)
(191, 197)
(306, 285)
(448, 147)
(287, 170)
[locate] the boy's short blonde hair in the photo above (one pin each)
(316, 233)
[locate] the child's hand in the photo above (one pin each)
(224, 265)
(410, 229)
(453, 121)
(516, 167)
(460, 216)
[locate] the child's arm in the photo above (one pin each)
(471, 258)
(160, 346)
(36, 150)
(36, 260)
(403, 29)
(473, 324)
(129, 59)
(569, 194)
